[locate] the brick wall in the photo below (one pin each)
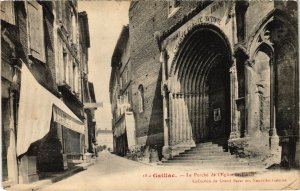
(43, 72)
(145, 18)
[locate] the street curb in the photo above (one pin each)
(42, 183)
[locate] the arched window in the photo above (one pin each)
(141, 98)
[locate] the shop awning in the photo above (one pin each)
(65, 119)
(119, 128)
(127, 124)
(130, 129)
(36, 107)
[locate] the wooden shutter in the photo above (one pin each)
(7, 12)
(36, 30)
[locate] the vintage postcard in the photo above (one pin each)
(150, 95)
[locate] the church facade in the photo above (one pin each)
(220, 71)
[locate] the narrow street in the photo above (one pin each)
(109, 171)
(114, 172)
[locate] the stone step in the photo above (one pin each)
(228, 164)
(206, 152)
(207, 149)
(206, 144)
(209, 155)
(196, 163)
(203, 157)
(204, 160)
(214, 166)
(224, 161)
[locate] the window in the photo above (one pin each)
(75, 79)
(65, 66)
(36, 30)
(7, 12)
(74, 32)
(60, 60)
(141, 98)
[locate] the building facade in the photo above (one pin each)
(43, 118)
(121, 95)
(219, 71)
(105, 137)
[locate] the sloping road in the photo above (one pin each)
(111, 172)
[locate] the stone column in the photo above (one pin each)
(177, 121)
(173, 128)
(11, 150)
(233, 95)
(165, 95)
(179, 116)
(275, 149)
(188, 112)
(166, 118)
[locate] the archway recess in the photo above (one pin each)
(199, 88)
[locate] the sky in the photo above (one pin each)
(106, 19)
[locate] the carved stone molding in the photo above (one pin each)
(250, 63)
(240, 51)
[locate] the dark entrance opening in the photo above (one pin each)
(219, 103)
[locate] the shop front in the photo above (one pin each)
(47, 130)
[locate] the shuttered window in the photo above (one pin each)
(36, 30)
(7, 12)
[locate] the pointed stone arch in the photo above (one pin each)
(272, 35)
(204, 50)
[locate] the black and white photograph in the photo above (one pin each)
(150, 95)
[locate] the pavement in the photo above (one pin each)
(50, 178)
(111, 172)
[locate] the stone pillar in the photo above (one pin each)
(233, 95)
(173, 128)
(179, 105)
(166, 124)
(188, 112)
(27, 169)
(11, 150)
(178, 120)
(275, 149)
(168, 134)
(183, 124)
